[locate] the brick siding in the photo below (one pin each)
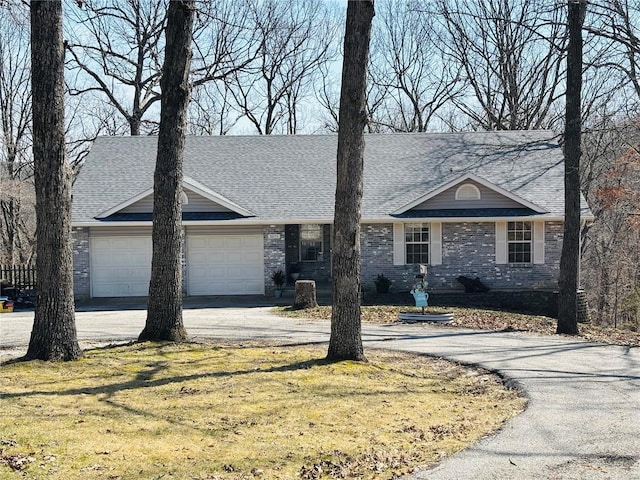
(274, 254)
(81, 272)
(467, 249)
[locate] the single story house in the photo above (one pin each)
(487, 205)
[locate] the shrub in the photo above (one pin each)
(278, 277)
(382, 283)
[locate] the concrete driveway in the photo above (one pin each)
(583, 418)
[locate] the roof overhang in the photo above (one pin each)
(293, 221)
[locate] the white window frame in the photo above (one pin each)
(520, 235)
(311, 227)
(435, 243)
(537, 243)
(468, 191)
(419, 229)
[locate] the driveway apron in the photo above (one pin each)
(583, 416)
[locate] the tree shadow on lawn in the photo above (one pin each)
(145, 377)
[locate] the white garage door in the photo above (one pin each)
(225, 264)
(120, 266)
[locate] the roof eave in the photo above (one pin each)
(299, 221)
(541, 217)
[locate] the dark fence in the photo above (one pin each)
(20, 276)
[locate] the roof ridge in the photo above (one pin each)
(319, 135)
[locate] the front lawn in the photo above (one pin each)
(212, 411)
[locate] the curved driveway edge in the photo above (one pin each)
(583, 418)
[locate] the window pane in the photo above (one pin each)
(309, 250)
(519, 238)
(416, 243)
(519, 253)
(311, 232)
(408, 233)
(310, 242)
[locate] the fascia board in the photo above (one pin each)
(124, 204)
(325, 221)
(239, 222)
(546, 218)
(209, 194)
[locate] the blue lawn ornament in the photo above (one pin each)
(420, 297)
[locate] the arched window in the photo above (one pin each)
(468, 191)
(184, 198)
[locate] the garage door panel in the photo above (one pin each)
(254, 258)
(117, 275)
(207, 274)
(198, 242)
(129, 289)
(237, 285)
(253, 242)
(119, 258)
(250, 272)
(235, 258)
(201, 257)
(253, 285)
(120, 266)
(225, 264)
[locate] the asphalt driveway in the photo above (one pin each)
(583, 418)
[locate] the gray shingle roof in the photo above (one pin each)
(283, 178)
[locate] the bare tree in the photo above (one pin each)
(164, 312)
(408, 71)
(570, 258)
(54, 332)
(295, 39)
(225, 41)
(116, 46)
(224, 45)
(211, 110)
(328, 97)
(16, 192)
(346, 340)
(611, 269)
(116, 52)
(509, 56)
(616, 21)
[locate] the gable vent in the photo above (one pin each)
(468, 191)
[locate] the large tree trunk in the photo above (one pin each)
(54, 332)
(134, 126)
(164, 314)
(570, 259)
(346, 341)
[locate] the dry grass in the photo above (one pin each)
(480, 319)
(209, 411)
